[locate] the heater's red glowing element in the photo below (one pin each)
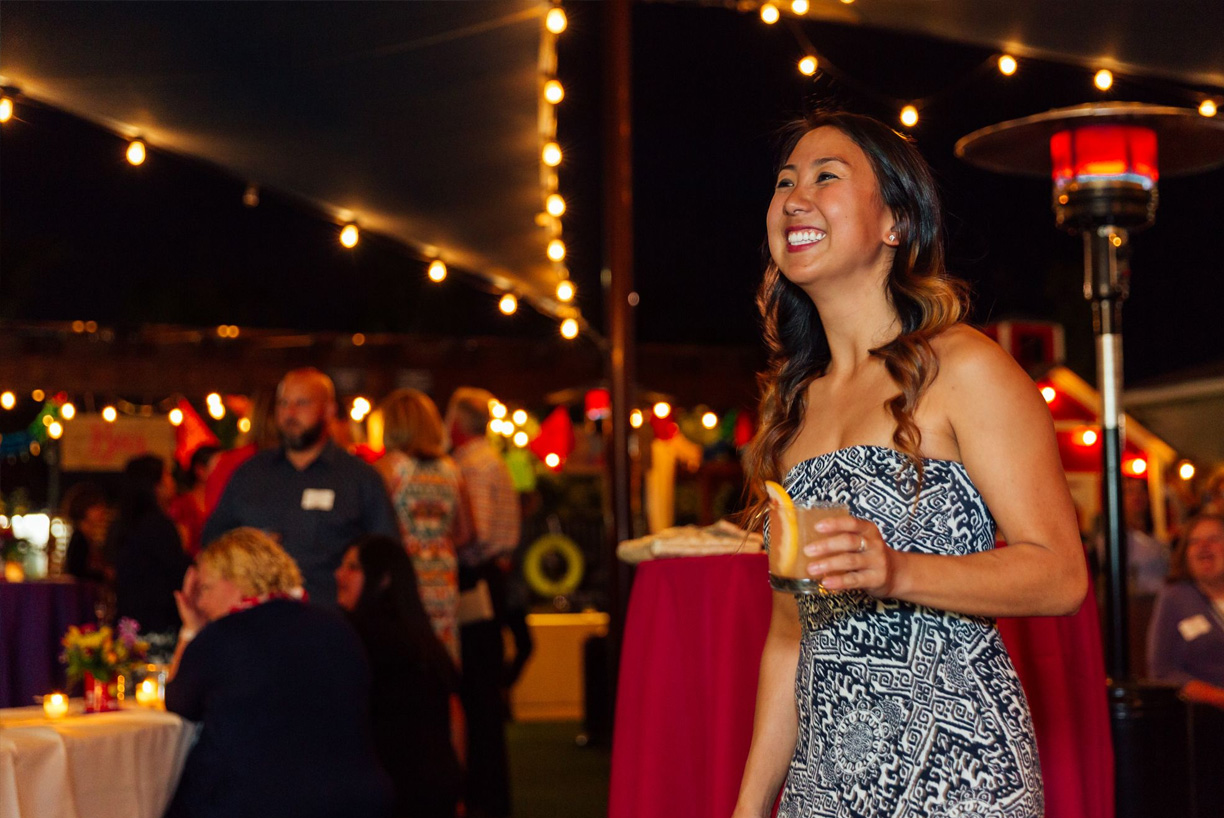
(1103, 153)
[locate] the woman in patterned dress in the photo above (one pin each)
(892, 695)
(428, 497)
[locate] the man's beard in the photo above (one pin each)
(305, 439)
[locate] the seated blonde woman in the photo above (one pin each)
(280, 687)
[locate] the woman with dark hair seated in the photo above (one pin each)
(281, 691)
(414, 680)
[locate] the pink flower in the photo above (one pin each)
(128, 628)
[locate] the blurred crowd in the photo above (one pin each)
(335, 625)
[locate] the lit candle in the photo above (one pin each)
(147, 694)
(55, 705)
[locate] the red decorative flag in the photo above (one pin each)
(190, 435)
(743, 430)
(556, 435)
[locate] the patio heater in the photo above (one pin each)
(1105, 160)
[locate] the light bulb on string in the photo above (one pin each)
(552, 460)
(55, 430)
(8, 400)
(1186, 470)
(554, 91)
(1207, 108)
(213, 398)
(437, 271)
(244, 425)
(909, 116)
(1103, 79)
(6, 109)
(508, 304)
(216, 410)
(519, 417)
(556, 250)
(635, 418)
(350, 235)
(67, 411)
(551, 154)
(808, 66)
(136, 152)
(38, 395)
(800, 7)
(176, 416)
(565, 291)
(569, 329)
(497, 409)
(555, 21)
(109, 414)
(709, 420)
(1048, 393)
(769, 14)
(555, 205)
(520, 439)
(662, 409)
(1007, 65)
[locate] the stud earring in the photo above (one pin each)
(892, 236)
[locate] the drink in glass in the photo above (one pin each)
(793, 526)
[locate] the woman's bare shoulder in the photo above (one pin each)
(966, 355)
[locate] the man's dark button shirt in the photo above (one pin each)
(315, 513)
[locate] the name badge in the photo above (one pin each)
(318, 499)
(1192, 627)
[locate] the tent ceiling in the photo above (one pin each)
(420, 120)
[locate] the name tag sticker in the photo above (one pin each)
(1192, 627)
(318, 499)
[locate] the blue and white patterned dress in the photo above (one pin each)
(906, 710)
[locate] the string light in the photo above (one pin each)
(437, 271)
(244, 425)
(556, 250)
(55, 430)
(358, 339)
(551, 154)
(1207, 107)
(769, 14)
(709, 420)
(213, 398)
(109, 414)
(808, 66)
(635, 418)
(67, 411)
(520, 439)
(569, 329)
(1048, 394)
(250, 196)
(91, 326)
(519, 417)
(1086, 437)
(78, 326)
(6, 109)
(216, 410)
(361, 405)
(497, 410)
(662, 409)
(1186, 470)
(1007, 65)
(1103, 79)
(508, 304)
(176, 416)
(1136, 466)
(555, 21)
(800, 7)
(349, 236)
(8, 400)
(565, 291)
(554, 91)
(38, 395)
(552, 460)
(507, 428)
(136, 152)
(555, 205)
(909, 116)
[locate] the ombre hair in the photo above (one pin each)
(253, 561)
(412, 425)
(926, 299)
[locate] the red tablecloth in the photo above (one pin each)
(688, 678)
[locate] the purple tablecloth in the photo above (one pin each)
(33, 618)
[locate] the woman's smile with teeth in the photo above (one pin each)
(804, 236)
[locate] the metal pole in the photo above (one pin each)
(1105, 283)
(618, 243)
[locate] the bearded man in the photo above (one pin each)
(310, 495)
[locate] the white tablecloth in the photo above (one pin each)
(81, 766)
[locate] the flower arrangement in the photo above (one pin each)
(101, 653)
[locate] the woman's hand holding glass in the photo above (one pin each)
(852, 555)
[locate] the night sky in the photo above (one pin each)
(84, 235)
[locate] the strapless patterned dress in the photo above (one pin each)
(906, 711)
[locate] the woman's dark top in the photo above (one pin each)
(410, 706)
(149, 568)
(76, 560)
(282, 691)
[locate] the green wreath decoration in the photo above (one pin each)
(533, 565)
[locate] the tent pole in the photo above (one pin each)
(618, 275)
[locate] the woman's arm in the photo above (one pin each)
(776, 722)
(1006, 440)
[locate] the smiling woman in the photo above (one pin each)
(878, 398)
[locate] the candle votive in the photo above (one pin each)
(148, 694)
(55, 705)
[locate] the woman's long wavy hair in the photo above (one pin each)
(927, 301)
